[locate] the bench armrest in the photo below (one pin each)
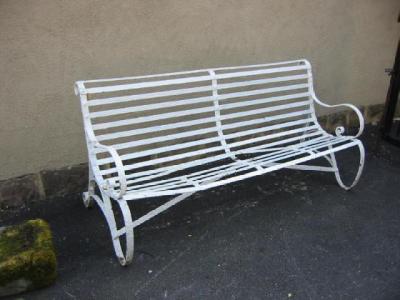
(340, 129)
(118, 165)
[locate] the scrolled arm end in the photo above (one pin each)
(340, 130)
(120, 169)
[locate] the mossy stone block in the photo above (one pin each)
(27, 257)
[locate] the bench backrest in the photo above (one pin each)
(180, 120)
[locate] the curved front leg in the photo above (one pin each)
(124, 257)
(359, 171)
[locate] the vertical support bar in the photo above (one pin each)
(313, 114)
(219, 124)
(217, 111)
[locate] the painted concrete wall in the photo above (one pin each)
(45, 45)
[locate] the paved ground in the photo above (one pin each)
(284, 235)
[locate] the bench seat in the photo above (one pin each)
(263, 160)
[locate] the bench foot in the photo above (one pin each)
(87, 197)
(360, 168)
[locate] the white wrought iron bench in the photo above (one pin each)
(178, 133)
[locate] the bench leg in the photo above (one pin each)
(125, 254)
(360, 168)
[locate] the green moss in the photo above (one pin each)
(27, 252)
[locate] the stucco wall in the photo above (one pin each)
(45, 45)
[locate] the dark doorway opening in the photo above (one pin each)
(391, 115)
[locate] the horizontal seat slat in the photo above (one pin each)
(241, 164)
(271, 136)
(143, 175)
(137, 195)
(270, 161)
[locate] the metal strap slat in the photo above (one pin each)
(164, 138)
(162, 149)
(240, 167)
(263, 161)
(243, 176)
(208, 130)
(260, 72)
(192, 72)
(327, 143)
(202, 141)
(194, 111)
(275, 135)
(124, 87)
(236, 166)
(177, 180)
(163, 171)
(166, 159)
(282, 79)
(264, 110)
(264, 101)
(280, 143)
(121, 99)
(192, 143)
(207, 150)
(269, 90)
(158, 128)
(147, 84)
(243, 165)
(148, 174)
(295, 62)
(152, 118)
(265, 119)
(145, 96)
(161, 185)
(147, 107)
(206, 173)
